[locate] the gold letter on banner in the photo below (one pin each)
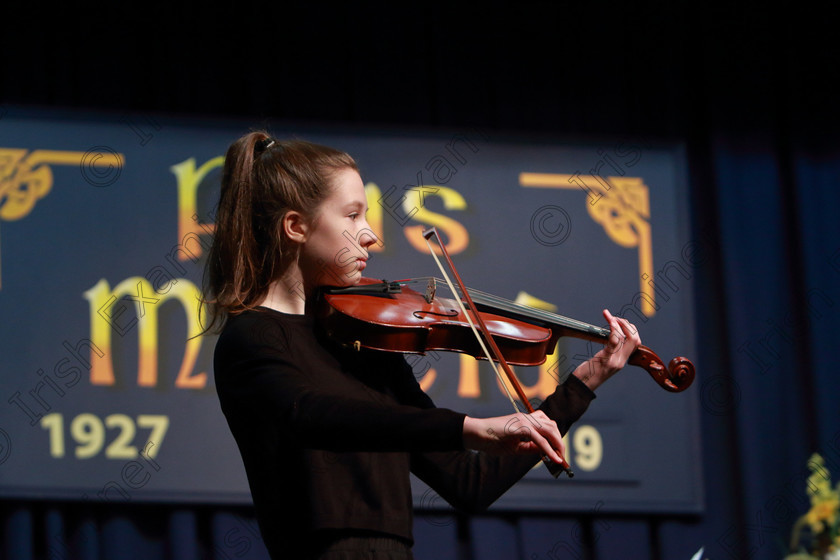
(189, 178)
(622, 206)
(414, 205)
(106, 316)
(25, 179)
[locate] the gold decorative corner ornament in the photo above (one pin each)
(621, 205)
(26, 176)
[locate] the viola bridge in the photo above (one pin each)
(431, 288)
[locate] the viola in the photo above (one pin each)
(393, 317)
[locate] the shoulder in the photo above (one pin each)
(260, 334)
(262, 328)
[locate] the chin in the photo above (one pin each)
(342, 279)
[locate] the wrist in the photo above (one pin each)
(593, 372)
(472, 429)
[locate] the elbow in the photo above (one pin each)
(471, 505)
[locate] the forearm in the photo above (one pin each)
(472, 481)
(593, 372)
(341, 424)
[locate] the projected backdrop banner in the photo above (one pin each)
(105, 223)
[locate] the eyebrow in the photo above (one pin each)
(356, 204)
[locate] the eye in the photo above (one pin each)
(353, 216)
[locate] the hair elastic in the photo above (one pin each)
(264, 144)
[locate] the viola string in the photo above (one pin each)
(526, 311)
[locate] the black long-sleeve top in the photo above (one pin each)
(328, 435)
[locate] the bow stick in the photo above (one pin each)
(554, 468)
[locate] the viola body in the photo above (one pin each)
(408, 322)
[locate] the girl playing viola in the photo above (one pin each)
(329, 435)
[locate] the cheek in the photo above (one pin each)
(328, 243)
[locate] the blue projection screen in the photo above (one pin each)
(105, 222)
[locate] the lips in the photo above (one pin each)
(362, 264)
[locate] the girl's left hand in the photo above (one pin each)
(624, 339)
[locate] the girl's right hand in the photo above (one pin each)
(515, 434)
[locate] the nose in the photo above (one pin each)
(368, 237)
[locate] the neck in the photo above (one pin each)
(287, 294)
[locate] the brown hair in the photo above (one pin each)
(262, 180)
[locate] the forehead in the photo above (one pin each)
(347, 188)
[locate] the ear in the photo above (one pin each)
(295, 226)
